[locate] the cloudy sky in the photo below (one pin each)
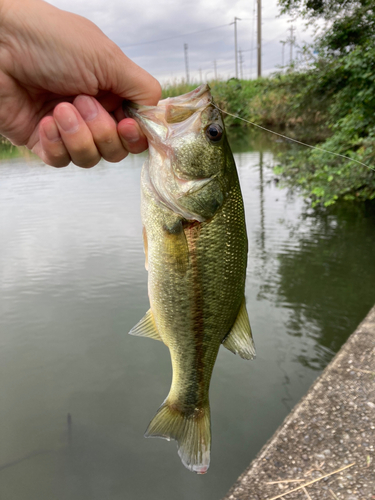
(153, 33)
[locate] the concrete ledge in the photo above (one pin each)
(331, 427)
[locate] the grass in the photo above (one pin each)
(266, 101)
(7, 150)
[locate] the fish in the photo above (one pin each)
(196, 247)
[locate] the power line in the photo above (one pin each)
(176, 36)
(256, 3)
(263, 44)
(187, 34)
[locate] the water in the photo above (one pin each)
(77, 392)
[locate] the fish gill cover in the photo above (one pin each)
(196, 254)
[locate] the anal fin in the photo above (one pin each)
(240, 339)
(146, 327)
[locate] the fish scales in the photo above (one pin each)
(205, 300)
(196, 254)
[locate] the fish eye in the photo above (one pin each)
(214, 132)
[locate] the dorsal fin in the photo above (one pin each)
(146, 327)
(240, 340)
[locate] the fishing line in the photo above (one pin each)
(294, 140)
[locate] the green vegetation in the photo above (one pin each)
(338, 91)
(177, 87)
(330, 102)
(7, 150)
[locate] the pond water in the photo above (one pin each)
(77, 392)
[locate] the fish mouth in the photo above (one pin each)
(189, 98)
(157, 122)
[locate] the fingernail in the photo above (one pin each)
(132, 136)
(87, 107)
(66, 118)
(51, 130)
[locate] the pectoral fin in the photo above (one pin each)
(176, 247)
(146, 327)
(240, 339)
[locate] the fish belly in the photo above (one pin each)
(196, 286)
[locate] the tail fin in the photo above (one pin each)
(191, 431)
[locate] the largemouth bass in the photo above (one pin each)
(196, 253)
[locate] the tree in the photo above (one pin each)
(323, 9)
(342, 79)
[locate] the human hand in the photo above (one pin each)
(62, 82)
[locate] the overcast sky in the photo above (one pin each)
(132, 23)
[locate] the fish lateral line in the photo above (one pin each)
(293, 140)
(196, 265)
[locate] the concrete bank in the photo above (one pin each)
(332, 427)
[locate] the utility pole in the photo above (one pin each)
(215, 70)
(300, 57)
(259, 4)
(186, 62)
(235, 43)
(200, 75)
(283, 42)
(291, 41)
(241, 61)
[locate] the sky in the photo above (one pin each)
(139, 27)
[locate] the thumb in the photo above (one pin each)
(129, 81)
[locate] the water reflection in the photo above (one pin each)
(72, 284)
(327, 281)
(261, 196)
